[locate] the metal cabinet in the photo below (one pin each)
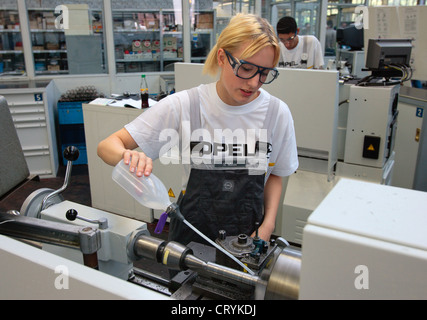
(411, 140)
(32, 110)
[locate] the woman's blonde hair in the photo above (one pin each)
(243, 28)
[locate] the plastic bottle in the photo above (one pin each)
(148, 191)
(144, 92)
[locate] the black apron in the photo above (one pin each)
(229, 199)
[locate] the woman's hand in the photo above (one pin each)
(138, 162)
(264, 232)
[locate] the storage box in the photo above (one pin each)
(152, 24)
(151, 21)
(204, 21)
(136, 45)
(146, 46)
(72, 134)
(70, 112)
(53, 67)
(204, 17)
(169, 43)
(204, 25)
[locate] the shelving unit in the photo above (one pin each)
(145, 38)
(146, 41)
(48, 43)
(151, 40)
(11, 52)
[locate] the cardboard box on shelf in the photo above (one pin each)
(151, 21)
(52, 46)
(51, 67)
(146, 46)
(155, 45)
(34, 24)
(152, 24)
(169, 43)
(204, 25)
(136, 45)
(204, 21)
(204, 17)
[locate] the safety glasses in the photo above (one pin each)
(246, 70)
(284, 41)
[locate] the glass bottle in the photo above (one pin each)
(144, 92)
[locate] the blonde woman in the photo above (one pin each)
(240, 139)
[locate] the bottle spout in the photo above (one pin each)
(171, 211)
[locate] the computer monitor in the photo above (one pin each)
(351, 37)
(385, 52)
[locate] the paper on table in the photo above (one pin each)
(122, 102)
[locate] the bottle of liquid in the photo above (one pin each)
(144, 92)
(148, 191)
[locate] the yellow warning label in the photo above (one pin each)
(371, 148)
(170, 193)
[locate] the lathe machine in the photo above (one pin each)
(364, 241)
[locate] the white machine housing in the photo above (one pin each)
(366, 241)
(372, 117)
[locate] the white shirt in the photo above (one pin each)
(170, 117)
(293, 58)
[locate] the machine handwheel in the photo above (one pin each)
(33, 202)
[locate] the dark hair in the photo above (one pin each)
(286, 25)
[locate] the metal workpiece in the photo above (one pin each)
(220, 272)
(283, 279)
(174, 255)
(170, 254)
(178, 257)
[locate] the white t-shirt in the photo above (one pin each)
(293, 58)
(155, 128)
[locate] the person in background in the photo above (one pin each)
(219, 194)
(304, 52)
(331, 38)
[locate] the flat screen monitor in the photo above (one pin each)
(386, 52)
